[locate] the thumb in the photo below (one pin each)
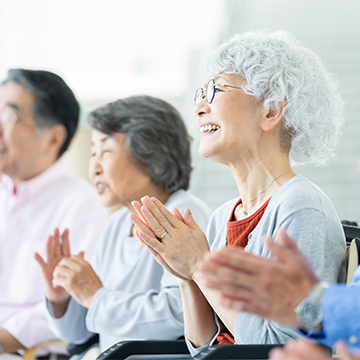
(285, 240)
(278, 250)
(342, 351)
(189, 220)
(40, 260)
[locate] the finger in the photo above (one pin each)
(280, 252)
(41, 262)
(153, 222)
(56, 243)
(65, 246)
(62, 272)
(342, 351)
(50, 248)
(177, 214)
(137, 206)
(277, 354)
(82, 254)
(68, 262)
(227, 273)
(152, 242)
(73, 260)
(161, 213)
(237, 258)
(159, 258)
(61, 281)
(236, 304)
(284, 239)
(140, 225)
(189, 220)
(229, 290)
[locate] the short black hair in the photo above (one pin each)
(55, 102)
(156, 137)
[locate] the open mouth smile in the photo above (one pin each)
(209, 128)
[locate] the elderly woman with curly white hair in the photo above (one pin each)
(268, 103)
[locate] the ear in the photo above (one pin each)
(55, 138)
(273, 117)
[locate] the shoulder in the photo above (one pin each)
(298, 194)
(183, 200)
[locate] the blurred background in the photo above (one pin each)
(114, 48)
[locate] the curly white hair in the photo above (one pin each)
(278, 68)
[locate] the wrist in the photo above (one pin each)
(59, 308)
(308, 311)
(184, 283)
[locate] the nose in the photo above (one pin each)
(95, 168)
(201, 108)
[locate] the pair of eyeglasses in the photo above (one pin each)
(210, 91)
(8, 119)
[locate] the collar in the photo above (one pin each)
(32, 187)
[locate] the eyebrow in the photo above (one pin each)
(219, 77)
(13, 106)
(102, 140)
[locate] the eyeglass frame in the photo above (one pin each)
(204, 93)
(9, 125)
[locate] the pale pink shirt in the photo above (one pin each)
(55, 198)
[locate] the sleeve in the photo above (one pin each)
(341, 314)
(193, 350)
(29, 326)
(70, 327)
(322, 245)
(135, 315)
(85, 220)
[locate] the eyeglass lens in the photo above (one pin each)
(209, 92)
(7, 118)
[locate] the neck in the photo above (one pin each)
(33, 172)
(257, 182)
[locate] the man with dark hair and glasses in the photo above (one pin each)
(39, 115)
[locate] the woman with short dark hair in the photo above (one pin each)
(140, 146)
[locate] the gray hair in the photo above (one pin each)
(156, 137)
(278, 68)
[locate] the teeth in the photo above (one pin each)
(209, 128)
(100, 186)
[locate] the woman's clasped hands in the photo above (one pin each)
(175, 241)
(66, 275)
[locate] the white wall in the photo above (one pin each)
(114, 48)
(332, 29)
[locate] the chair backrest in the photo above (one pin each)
(353, 258)
(351, 232)
(236, 352)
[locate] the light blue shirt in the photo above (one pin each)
(340, 305)
(139, 300)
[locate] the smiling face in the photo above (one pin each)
(21, 149)
(118, 178)
(231, 124)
